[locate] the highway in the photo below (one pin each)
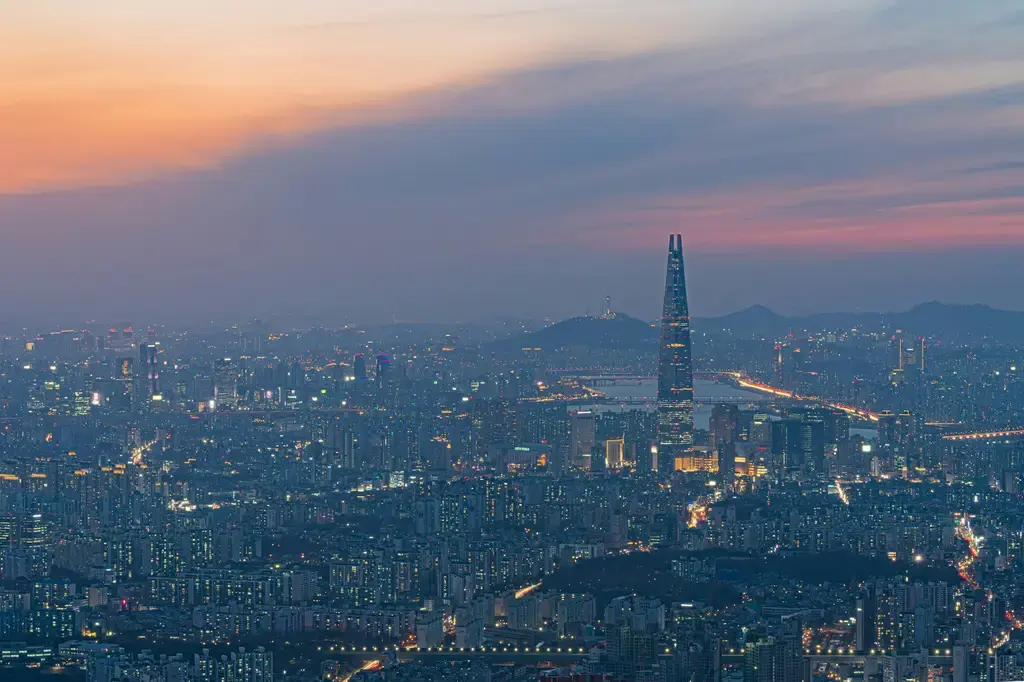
(965, 566)
(746, 382)
(557, 655)
(985, 435)
(372, 657)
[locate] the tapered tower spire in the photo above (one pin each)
(675, 365)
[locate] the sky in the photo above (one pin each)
(370, 160)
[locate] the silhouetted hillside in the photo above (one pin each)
(625, 333)
(620, 332)
(952, 322)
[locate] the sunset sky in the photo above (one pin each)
(462, 159)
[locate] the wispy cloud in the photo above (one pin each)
(842, 134)
(133, 89)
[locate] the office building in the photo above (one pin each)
(582, 438)
(225, 384)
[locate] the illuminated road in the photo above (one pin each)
(554, 655)
(496, 654)
(841, 492)
(845, 655)
(985, 435)
(529, 589)
(373, 664)
(492, 654)
(965, 566)
(746, 382)
(272, 413)
(650, 400)
(139, 452)
(488, 650)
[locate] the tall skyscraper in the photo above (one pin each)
(675, 365)
(582, 438)
(383, 375)
(149, 371)
(125, 376)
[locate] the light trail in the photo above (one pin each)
(965, 565)
(841, 492)
(369, 665)
(790, 395)
(140, 451)
(529, 589)
(965, 568)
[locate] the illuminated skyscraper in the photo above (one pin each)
(582, 438)
(675, 365)
(225, 384)
(149, 371)
(124, 375)
(614, 453)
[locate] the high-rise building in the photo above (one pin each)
(244, 666)
(225, 384)
(761, 429)
(125, 376)
(359, 367)
(383, 375)
(149, 371)
(779, 364)
(865, 635)
(614, 453)
(772, 659)
(675, 365)
(798, 444)
(36, 544)
(724, 425)
(582, 438)
(896, 435)
(341, 439)
(359, 391)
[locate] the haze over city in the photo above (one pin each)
(512, 341)
(463, 160)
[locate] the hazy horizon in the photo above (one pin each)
(230, 159)
(330, 320)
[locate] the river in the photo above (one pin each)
(706, 393)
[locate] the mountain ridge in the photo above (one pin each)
(953, 322)
(932, 318)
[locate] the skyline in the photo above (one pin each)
(195, 162)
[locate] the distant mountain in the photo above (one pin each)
(622, 332)
(617, 332)
(757, 316)
(952, 322)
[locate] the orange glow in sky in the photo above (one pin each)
(748, 125)
(110, 90)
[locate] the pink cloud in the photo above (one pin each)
(868, 215)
